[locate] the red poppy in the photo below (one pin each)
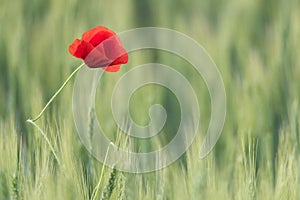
(100, 47)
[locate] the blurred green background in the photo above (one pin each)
(255, 45)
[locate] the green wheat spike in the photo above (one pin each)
(91, 127)
(15, 187)
(108, 189)
(121, 182)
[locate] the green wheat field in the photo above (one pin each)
(255, 45)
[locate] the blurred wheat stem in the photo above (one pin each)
(56, 94)
(97, 188)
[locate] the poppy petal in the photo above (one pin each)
(97, 58)
(112, 68)
(114, 50)
(96, 35)
(121, 60)
(80, 48)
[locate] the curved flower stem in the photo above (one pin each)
(46, 138)
(57, 93)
